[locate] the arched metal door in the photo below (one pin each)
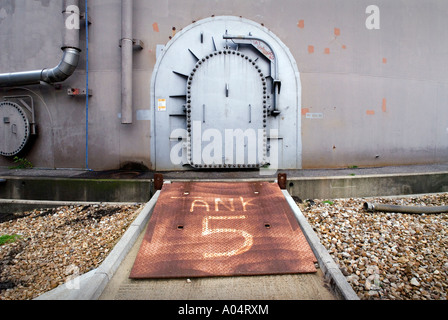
(226, 94)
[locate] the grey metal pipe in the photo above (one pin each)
(71, 12)
(404, 209)
(64, 69)
(126, 61)
(25, 78)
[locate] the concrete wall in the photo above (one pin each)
(383, 93)
(85, 190)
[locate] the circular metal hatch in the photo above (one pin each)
(14, 129)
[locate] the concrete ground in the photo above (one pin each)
(282, 287)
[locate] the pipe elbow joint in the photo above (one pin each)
(65, 69)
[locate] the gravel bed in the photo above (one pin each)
(56, 245)
(387, 256)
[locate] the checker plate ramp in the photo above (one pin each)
(208, 229)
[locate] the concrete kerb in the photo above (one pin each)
(91, 285)
(338, 283)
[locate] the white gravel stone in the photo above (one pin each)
(57, 245)
(415, 282)
(386, 255)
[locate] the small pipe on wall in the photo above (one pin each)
(126, 61)
(64, 69)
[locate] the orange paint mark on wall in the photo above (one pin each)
(370, 112)
(384, 108)
(301, 24)
(310, 49)
(305, 111)
(344, 46)
(384, 60)
(327, 51)
(337, 32)
(155, 27)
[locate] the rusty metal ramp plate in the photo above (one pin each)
(211, 229)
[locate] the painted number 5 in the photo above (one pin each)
(206, 231)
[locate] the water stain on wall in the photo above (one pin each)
(7, 8)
